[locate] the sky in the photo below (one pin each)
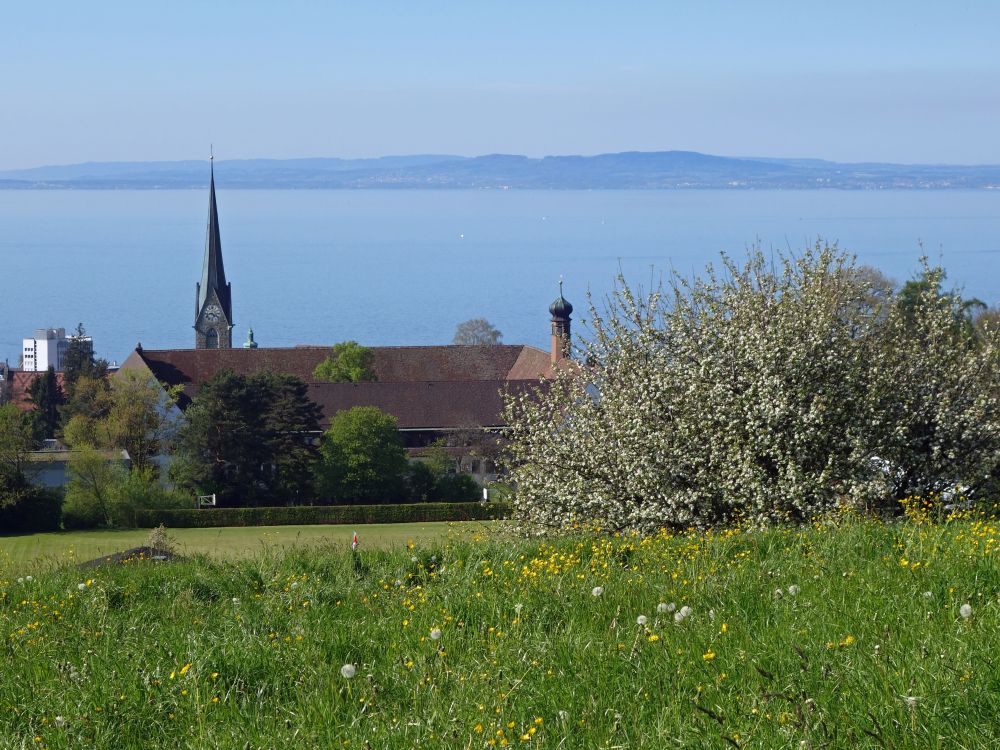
(912, 81)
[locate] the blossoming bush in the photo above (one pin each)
(772, 390)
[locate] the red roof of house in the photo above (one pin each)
(20, 387)
(424, 387)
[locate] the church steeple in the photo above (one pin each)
(213, 322)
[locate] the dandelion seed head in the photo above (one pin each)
(794, 590)
(966, 611)
(59, 721)
(435, 634)
(517, 608)
(20, 580)
(686, 611)
(348, 671)
(81, 586)
(927, 595)
(662, 608)
(597, 591)
(640, 620)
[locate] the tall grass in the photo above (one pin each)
(842, 635)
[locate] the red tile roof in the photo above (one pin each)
(425, 405)
(20, 387)
(424, 387)
(392, 364)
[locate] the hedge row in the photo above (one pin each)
(320, 514)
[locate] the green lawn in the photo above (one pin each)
(848, 634)
(34, 551)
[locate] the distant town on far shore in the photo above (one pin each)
(635, 170)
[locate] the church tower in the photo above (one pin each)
(213, 311)
(560, 310)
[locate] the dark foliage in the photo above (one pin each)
(322, 514)
(249, 439)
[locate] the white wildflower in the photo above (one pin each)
(59, 721)
(81, 586)
(517, 609)
(348, 671)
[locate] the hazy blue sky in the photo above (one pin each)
(879, 80)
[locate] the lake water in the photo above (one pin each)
(404, 267)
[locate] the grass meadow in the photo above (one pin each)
(29, 552)
(852, 633)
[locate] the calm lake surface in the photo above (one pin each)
(404, 267)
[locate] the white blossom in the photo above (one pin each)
(763, 390)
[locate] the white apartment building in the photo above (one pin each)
(48, 347)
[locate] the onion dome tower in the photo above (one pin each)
(560, 310)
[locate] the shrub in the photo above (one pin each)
(321, 514)
(774, 390)
(34, 509)
(456, 488)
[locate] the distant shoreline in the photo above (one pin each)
(661, 170)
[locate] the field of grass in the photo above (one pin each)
(29, 552)
(850, 634)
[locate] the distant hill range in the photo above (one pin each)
(660, 170)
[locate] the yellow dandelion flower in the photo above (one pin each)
(708, 655)
(185, 668)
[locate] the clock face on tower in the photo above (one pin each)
(213, 313)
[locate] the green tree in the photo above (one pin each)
(348, 362)
(363, 459)
(92, 489)
(249, 438)
(46, 397)
(16, 439)
(79, 361)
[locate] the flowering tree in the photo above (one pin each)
(759, 392)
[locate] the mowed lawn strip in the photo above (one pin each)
(27, 551)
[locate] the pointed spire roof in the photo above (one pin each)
(213, 272)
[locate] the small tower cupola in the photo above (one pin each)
(213, 312)
(560, 310)
(250, 343)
